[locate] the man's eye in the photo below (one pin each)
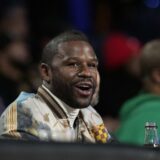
(93, 65)
(73, 64)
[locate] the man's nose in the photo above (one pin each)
(85, 71)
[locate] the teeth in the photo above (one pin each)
(84, 87)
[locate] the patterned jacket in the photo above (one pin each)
(40, 117)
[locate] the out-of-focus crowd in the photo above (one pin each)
(18, 71)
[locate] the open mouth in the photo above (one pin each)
(84, 89)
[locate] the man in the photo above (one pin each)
(59, 111)
(144, 107)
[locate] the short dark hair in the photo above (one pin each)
(150, 57)
(51, 49)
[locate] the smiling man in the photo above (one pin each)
(61, 110)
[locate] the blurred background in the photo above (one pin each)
(117, 30)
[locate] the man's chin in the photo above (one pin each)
(81, 105)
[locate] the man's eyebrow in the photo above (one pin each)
(72, 58)
(60, 55)
(76, 58)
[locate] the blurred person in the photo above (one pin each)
(120, 57)
(14, 20)
(145, 106)
(61, 109)
(14, 61)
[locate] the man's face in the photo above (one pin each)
(73, 73)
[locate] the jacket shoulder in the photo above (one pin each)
(95, 124)
(91, 116)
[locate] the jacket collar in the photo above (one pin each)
(62, 110)
(52, 101)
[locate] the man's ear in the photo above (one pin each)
(156, 75)
(45, 72)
